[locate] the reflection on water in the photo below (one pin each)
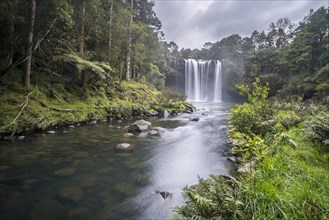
(79, 175)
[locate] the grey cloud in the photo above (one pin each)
(192, 23)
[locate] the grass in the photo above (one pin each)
(54, 102)
(290, 179)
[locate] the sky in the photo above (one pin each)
(192, 23)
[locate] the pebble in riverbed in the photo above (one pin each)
(65, 172)
(72, 193)
(79, 214)
(124, 147)
(81, 154)
(48, 210)
(88, 182)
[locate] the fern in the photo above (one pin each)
(319, 127)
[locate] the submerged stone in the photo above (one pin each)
(65, 172)
(79, 214)
(81, 154)
(194, 119)
(72, 193)
(89, 182)
(124, 147)
(48, 210)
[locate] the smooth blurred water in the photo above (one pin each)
(114, 185)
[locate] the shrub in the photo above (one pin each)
(287, 118)
(319, 127)
(244, 118)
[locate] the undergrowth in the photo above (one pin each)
(51, 101)
(288, 144)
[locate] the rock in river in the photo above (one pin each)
(48, 210)
(195, 119)
(164, 194)
(65, 172)
(72, 193)
(140, 126)
(79, 214)
(124, 147)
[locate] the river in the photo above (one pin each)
(77, 173)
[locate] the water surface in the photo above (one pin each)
(79, 175)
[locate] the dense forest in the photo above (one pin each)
(64, 62)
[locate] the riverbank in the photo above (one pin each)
(283, 155)
(52, 103)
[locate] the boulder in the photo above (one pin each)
(194, 119)
(50, 132)
(140, 126)
(154, 113)
(164, 194)
(128, 135)
(48, 210)
(72, 193)
(124, 147)
(231, 159)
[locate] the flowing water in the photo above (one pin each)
(203, 80)
(79, 175)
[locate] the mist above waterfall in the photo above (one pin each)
(203, 80)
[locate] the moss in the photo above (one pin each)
(53, 104)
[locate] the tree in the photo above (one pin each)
(30, 32)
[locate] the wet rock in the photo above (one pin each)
(140, 126)
(246, 168)
(164, 194)
(89, 182)
(204, 114)
(79, 214)
(124, 147)
(7, 138)
(4, 167)
(48, 210)
(227, 153)
(119, 121)
(153, 132)
(21, 137)
(194, 119)
(50, 132)
(128, 135)
(93, 122)
(81, 154)
(231, 159)
(154, 113)
(72, 193)
(71, 126)
(65, 172)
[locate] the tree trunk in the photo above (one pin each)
(27, 67)
(82, 73)
(128, 58)
(110, 33)
(11, 43)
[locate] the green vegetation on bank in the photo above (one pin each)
(53, 101)
(286, 145)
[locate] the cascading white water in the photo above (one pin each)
(203, 80)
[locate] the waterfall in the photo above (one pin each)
(203, 80)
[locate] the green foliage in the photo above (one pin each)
(244, 118)
(287, 118)
(245, 146)
(248, 116)
(215, 198)
(319, 127)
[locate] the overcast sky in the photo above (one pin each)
(191, 23)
